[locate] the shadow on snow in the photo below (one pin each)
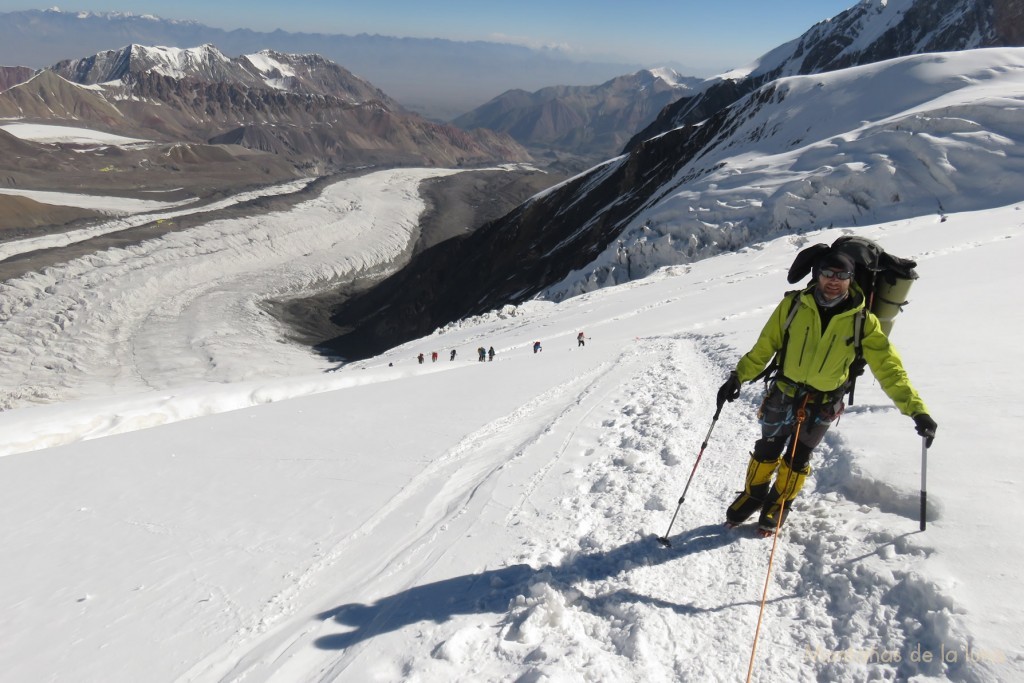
(491, 591)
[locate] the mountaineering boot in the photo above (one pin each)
(755, 487)
(787, 484)
(766, 523)
(745, 505)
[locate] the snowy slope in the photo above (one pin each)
(178, 63)
(919, 135)
(494, 521)
(265, 64)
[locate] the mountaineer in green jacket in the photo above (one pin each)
(815, 343)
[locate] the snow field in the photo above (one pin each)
(496, 521)
(158, 211)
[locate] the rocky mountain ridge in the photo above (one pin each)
(592, 122)
(289, 114)
(13, 75)
(267, 69)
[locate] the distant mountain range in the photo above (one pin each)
(591, 121)
(310, 73)
(437, 78)
(261, 118)
(566, 128)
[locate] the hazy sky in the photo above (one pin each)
(708, 35)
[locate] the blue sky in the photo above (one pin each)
(708, 35)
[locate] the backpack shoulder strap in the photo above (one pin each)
(775, 366)
(857, 366)
(858, 332)
(794, 305)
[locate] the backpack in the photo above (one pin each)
(885, 280)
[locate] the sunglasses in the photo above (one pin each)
(838, 274)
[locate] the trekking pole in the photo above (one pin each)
(664, 539)
(801, 415)
(924, 479)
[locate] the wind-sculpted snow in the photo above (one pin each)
(186, 307)
(922, 135)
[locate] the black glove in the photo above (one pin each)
(730, 391)
(857, 367)
(926, 427)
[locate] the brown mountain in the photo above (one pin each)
(303, 108)
(591, 121)
(270, 70)
(270, 118)
(209, 126)
(47, 97)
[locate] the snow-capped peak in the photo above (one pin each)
(670, 76)
(179, 62)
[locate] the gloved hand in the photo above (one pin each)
(926, 427)
(730, 391)
(857, 368)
